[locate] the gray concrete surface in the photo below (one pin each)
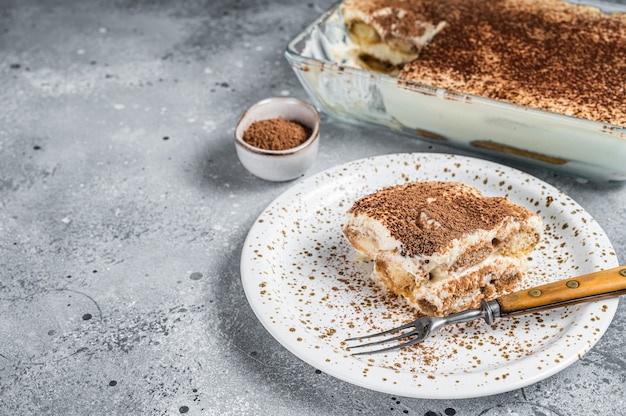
(123, 210)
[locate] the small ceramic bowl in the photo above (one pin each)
(279, 165)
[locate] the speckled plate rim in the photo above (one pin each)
(289, 259)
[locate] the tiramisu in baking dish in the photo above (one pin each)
(545, 54)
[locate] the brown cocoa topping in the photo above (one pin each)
(276, 134)
(427, 216)
(546, 54)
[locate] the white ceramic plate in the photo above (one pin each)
(310, 291)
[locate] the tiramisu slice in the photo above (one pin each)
(443, 246)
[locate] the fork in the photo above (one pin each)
(586, 288)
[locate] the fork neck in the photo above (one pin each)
(465, 316)
(488, 311)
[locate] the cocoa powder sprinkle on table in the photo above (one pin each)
(276, 134)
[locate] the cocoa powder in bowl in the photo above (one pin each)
(276, 134)
(290, 125)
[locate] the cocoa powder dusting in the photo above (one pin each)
(546, 54)
(276, 134)
(427, 216)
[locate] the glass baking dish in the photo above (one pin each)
(588, 150)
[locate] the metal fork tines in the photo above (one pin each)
(420, 329)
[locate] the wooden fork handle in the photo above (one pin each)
(594, 286)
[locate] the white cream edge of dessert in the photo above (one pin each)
(565, 138)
